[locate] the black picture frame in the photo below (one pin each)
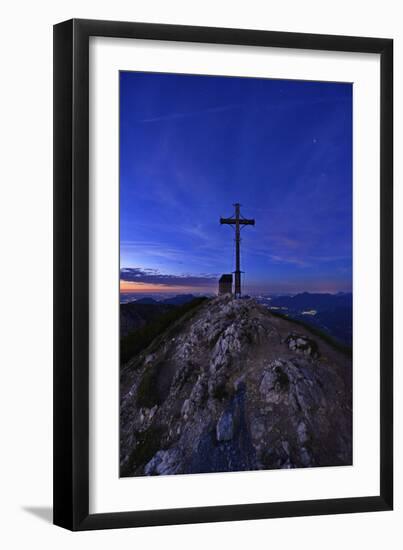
(71, 274)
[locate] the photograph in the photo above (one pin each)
(236, 274)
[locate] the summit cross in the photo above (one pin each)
(239, 222)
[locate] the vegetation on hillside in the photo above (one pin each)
(140, 339)
(324, 335)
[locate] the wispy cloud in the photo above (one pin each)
(204, 253)
(289, 260)
(177, 116)
(152, 249)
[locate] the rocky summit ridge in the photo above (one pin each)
(232, 387)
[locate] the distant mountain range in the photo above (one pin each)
(307, 300)
(178, 300)
(331, 313)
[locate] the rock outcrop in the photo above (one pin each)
(231, 387)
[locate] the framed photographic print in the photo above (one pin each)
(223, 321)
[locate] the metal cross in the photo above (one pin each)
(239, 221)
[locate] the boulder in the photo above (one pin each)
(302, 344)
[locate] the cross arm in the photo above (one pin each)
(229, 221)
(233, 221)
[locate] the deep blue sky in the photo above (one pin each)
(191, 146)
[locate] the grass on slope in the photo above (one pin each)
(140, 339)
(328, 339)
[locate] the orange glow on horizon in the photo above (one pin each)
(132, 286)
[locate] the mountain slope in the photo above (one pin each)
(134, 315)
(231, 387)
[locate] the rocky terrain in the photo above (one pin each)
(231, 387)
